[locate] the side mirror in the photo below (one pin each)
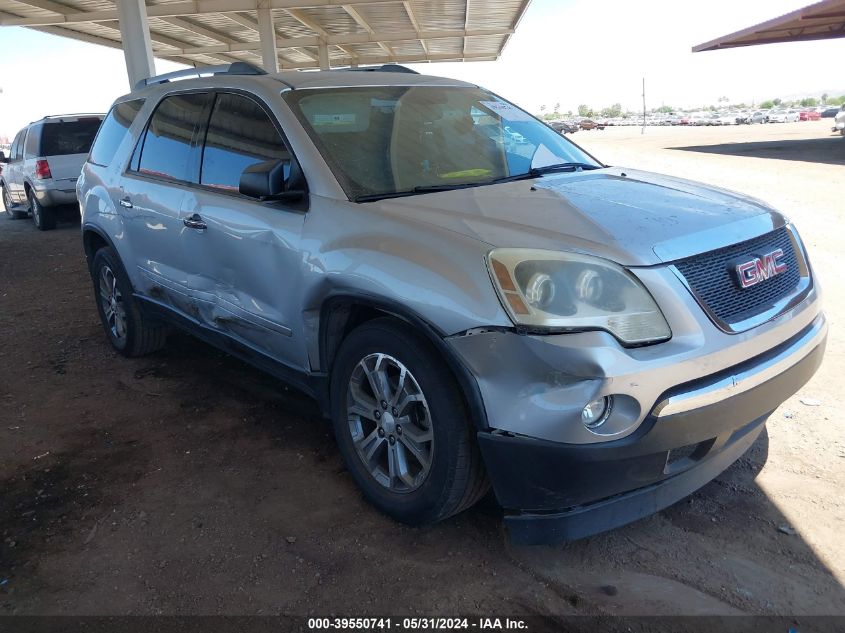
(3, 158)
(267, 181)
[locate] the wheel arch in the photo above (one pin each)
(342, 313)
(93, 239)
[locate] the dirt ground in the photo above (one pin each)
(189, 483)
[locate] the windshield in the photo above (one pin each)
(388, 140)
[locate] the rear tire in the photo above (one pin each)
(437, 428)
(43, 217)
(13, 214)
(129, 332)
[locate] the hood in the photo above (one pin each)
(631, 217)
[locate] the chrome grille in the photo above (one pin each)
(712, 278)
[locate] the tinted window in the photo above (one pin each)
(70, 137)
(30, 146)
(167, 142)
(240, 134)
(113, 131)
(17, 148)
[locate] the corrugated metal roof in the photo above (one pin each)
(819, 21)
(199, 32)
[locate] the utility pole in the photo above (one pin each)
(643, 130)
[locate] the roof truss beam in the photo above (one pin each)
(174, 9)
(355, 38)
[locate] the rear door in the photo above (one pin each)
(165, 161)
(245, 264)
(65, 144)
(12, 171)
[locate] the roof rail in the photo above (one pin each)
(235, 68)
(384, 68)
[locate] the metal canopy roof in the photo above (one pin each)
(202, 32)
(823, 20)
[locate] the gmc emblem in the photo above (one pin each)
(759, 269)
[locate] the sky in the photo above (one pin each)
(569, 52)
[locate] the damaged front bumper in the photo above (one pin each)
(675, 429)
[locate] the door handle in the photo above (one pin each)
(126, 202)
(195, 221)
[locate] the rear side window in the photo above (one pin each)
(30, 146)
(16, 144)
(240, 134)
(167, 147)
(68, 137)
(113, 130)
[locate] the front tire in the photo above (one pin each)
(43, 217)
(402, 426)
(129, 332)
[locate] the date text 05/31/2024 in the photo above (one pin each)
(417, 624)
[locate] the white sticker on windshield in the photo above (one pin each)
(334, 119)
(507, 111)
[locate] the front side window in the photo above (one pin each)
(114, 129)
(412, 139)
(240, 134)
(167, 150)
(60, 138)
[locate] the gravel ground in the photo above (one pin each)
(189, 483)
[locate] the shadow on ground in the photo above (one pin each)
(829, 150)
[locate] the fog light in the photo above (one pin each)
(596, 412)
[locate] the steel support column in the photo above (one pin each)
(135, 35)
(323, 54)
(267, 35)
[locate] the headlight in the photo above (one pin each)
(570, 292)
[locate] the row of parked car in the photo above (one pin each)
(733, 117)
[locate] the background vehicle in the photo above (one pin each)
(809, 115)
(759, 116)
(564, 127)
(45, 162)
(839, 121)
(390, 284)
(590, 124)
(830, 112)
(783, 116)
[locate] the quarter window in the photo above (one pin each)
(113, 130)
(30, 149)
(167, 148)
(240, 134)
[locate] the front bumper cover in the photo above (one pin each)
(554, 492)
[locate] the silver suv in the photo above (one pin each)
(469, 310)
(43, 164)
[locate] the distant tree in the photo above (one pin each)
(542, 108)
(557, 107)
(665, 109)
(767, 105)
(824, 98)
(569, 113)
(809, 102)
(776, 102)
(585, 110)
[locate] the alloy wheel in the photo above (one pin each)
(390, 423)
(111, 301)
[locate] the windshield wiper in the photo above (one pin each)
(548, 169)
(423, 189)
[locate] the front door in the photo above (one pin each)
(244, 256)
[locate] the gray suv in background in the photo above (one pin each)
(44, 162)
(593, 342)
